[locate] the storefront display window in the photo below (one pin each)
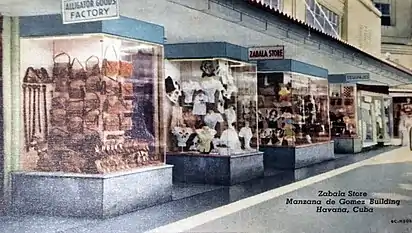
(293, 109)
(212, 106)
(90, 104)
(343, 110)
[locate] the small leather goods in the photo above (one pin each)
(93, 81)
(31, 76)
(77, 89)
(92, 101)
(58, 117)
(110, 68)
(44, 75)
(125, 69)
(75, 108)
(62, 72)
(111, 122)
(75, 124)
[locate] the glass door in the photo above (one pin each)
(367, 121)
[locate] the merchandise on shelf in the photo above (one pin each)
(293, 109)
(90, 104)
(343, 110)
(212, 106)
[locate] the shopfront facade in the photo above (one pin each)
(184, 21)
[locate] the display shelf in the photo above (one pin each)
(212, 109)
(91, 117)
(293, 110)
(216, 169)
(91, 195)
(286, 157)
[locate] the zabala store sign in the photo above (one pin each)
(79, 11)
(267, 53)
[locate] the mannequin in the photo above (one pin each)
(205, 136)
(199, 104)
(230, 138)
(212, 118)
(246, 133)
(226, 78)
(189, 89)
(182, 134)
(230, 116)
(210, 86)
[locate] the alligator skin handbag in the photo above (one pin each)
(110, 68)
(62, 72)
(94, 79)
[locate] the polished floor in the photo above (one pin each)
(260, 205)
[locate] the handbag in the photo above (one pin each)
(126, 122)
(111, 122)
(125, 69)
(75, 108)
(76, 89)
(31, 76)
(127, 89)
(93, 81)
(110, 86)
(62, 72)
(113, 105)
(110, 68)
(75, 124)
(58, 117)
(91, 101)
(91, 119)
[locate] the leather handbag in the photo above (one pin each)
(125, 69)
(110, 86)
(31, 76)
(78, 70)
(62, 71)
(91, 119)
(91, 101)
(127, 89)
(94, 79)
(126, 123)
(77, 89)
(113, 105)
(111, 122)
(110, 68)
(58, 117)
(75, 125)
(75, 108)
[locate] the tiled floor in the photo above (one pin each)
(189, 200)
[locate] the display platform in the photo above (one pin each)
(216, 169)
(349, 145)
(90, 195)
(297, 157)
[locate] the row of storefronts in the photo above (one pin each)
(109, 114)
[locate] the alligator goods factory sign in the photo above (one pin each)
(79, 11)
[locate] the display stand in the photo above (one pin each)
(294, 129)
(212, 114)
(361, 113)
(93, 142)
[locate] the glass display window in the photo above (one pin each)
(212, 107)
(342, 99)
(293, 109)
(90, 104)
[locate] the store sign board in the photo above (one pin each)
(267, 53)
(357, 77)
(80, 11)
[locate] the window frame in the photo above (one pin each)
(386, 19)
(333, 17)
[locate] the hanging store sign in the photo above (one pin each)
(267, 53)
(80, 11)
(357, 77)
